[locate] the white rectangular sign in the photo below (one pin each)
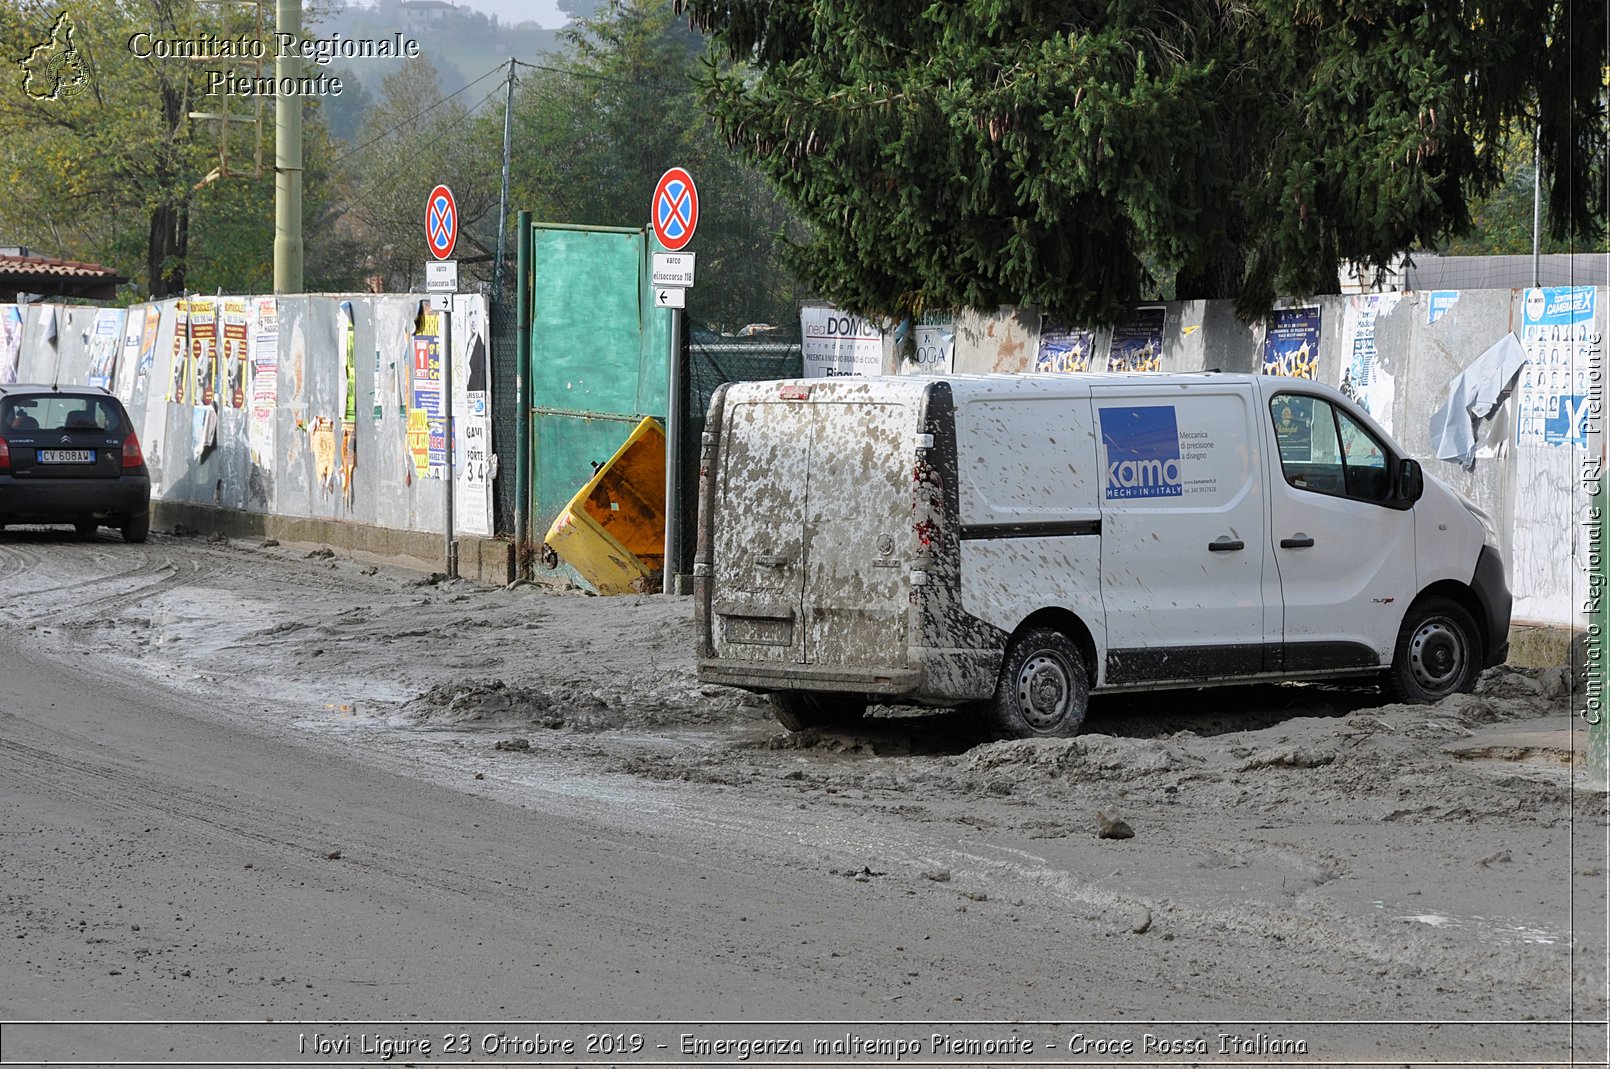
(670, 297)
(441, 276)
(837, 343)
(673, 269)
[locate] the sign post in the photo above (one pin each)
(674, 213)
(441, 282)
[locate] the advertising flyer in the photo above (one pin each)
(1138, 344)
(1064, 349)
(1291, 346)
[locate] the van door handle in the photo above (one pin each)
(771, 562)
(1226, 545)
(1301, 541)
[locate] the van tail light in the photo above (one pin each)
(5, 456)
(133, 459)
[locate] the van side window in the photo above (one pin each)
(1326, 451)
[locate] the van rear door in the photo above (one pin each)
(858, 534)
(810, 547)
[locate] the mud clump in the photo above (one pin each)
(490, 702)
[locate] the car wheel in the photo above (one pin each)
(137, 527)
(1438, 653)
(802, 710)
(86, 527)
(1043, 691)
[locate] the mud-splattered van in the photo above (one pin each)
(1021, 541)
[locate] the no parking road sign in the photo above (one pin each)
(441, 222)
(675, 209)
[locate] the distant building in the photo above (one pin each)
(44, 276)
(423, 14)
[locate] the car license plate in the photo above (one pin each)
(67, 456)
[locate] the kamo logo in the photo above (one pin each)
(55, 70)
(1143, 452)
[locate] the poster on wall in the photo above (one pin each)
(264, 349)
(128, 362)
(1138, 344)
(1439, 303)
(1562, 335)
(427, 434)
(237, 368)
(474, 462)
(1291, 345)
(1557, 331)
(204, 350)
(1064, 349)
(10, 341)
(1363, 377)
(933, 349)
(179, 391)
(106, 338)
(836, 343)
(148, 341)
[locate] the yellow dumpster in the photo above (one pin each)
(613, 531)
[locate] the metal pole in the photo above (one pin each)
(288, 158)
(522, 395)
(673, 463)
(503, 199)
(447, 388)
(1537, 204)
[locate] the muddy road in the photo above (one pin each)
(272, 794)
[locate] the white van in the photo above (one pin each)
(1021, 541)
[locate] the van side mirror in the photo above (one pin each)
(1411, 481)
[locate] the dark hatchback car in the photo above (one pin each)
(70, 455)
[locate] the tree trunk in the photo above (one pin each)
(167, 249)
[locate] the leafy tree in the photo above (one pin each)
(594, 132)
(108, 166)
(983, 152)
(412, 139)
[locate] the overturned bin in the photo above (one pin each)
(613, 531)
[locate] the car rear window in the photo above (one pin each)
(60, 412)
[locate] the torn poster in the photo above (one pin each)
(1474, 395)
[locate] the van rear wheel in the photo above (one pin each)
(802, 710)
(1438, 653)
(1043, 691)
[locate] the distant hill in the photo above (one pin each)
(462, 43)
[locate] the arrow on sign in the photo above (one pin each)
(670, 297)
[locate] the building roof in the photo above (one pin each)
(51, 277)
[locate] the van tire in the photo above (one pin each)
(1043, 690)
(1438, 653)
(802, 710)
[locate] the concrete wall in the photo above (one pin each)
(283, 445)
(1535, 480)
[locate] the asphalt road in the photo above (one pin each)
(176, 850)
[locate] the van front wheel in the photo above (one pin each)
(1438, 653)
(801, 710)
(1043, 690)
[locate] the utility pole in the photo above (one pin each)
(503, 200)
(287, 157)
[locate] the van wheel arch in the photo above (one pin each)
(1438, 652)
(1051, 651)
(1466, 599)
(1070, 625)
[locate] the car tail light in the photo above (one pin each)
(5, 456)
(133, 459)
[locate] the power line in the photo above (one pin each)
(418, 115)
(606, 78)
